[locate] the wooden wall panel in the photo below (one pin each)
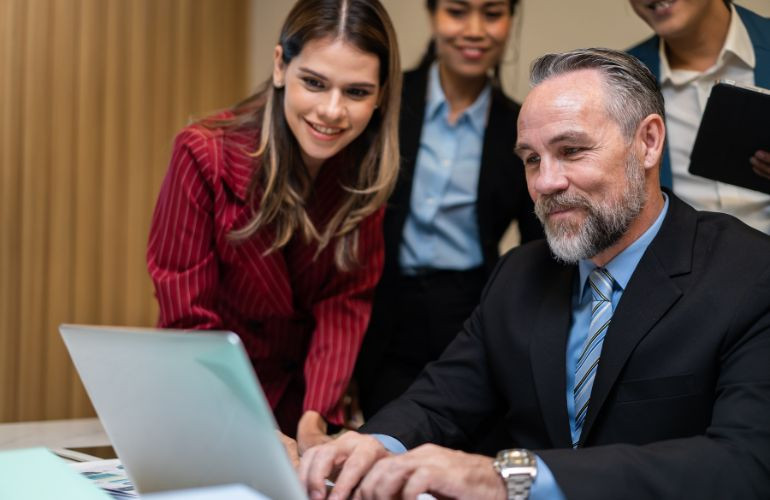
(60, 216)
(12, 23)
(35, 179)
(90, 60)
(112, 244)
(91, 95)
(136, 192)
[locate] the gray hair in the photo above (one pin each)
(633, 91)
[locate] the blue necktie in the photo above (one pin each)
(601, 312)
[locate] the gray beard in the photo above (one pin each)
(606, 221)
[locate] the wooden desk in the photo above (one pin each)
(74, 433)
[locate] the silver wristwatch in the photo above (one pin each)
(518, 469)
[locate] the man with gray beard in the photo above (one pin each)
(629, 352)
(604, 223)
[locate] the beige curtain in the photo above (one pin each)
(91, 94)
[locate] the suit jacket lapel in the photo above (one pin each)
(496, 136)
(497, 149)
(410, 128)
(548, 353)
(410, 125)
(650, 293)
(758, 28)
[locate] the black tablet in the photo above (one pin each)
(735, 124)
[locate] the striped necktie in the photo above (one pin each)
(601, 312)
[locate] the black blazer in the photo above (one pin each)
(680, 406)
(502, 190)
(502, 197)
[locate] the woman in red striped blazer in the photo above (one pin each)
(268, 222)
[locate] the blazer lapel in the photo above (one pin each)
(496, 136)
(410, 128)
(496, 153)
(650, 293)
(548, 354)
(758, 28)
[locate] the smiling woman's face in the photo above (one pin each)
(332, 90)
(471, 35)
(672, 19)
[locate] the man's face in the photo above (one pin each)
(673, 19)
(586, 182)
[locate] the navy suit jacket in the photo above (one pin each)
(758, 28)
(680, 406)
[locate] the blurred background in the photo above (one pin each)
(91, 95)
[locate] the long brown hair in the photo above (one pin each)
(282, 178)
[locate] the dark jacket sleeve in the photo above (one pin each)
(450, 399)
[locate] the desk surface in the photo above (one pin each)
(74, 433)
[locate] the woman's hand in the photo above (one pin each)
(311, 431)
(291, 448)
(761, 163)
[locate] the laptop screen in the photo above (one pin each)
(183, 409)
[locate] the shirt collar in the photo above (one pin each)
(623, 265)
(436, 102)
(737, 43)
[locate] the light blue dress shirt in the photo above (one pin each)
(621, 267)
(441, 230)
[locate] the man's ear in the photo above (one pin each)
(650, 135)
(279, 68)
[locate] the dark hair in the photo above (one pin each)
(431, 5)
(282, 179)
(430, 51)
(633, 90)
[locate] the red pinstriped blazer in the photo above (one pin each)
(302, 321)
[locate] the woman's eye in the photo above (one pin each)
(456, 12)
(494, 16)
(572, 151)
(313, 83)
(358, 93)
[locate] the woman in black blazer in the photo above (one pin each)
(460, 186)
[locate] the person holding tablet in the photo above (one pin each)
(269, 220)
(696, 43)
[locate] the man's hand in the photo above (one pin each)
(311, 431)
(348, 458)
(291, 448)
(442, 472)
(761, 163)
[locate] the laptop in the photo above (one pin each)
(183, 409)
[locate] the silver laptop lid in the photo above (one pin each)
(182, 409)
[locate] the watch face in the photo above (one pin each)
(515, 462)
(515, 457)
(518, 468)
